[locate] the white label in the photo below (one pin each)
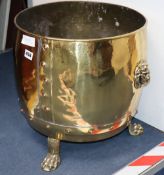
(28, 40)
(28, 54)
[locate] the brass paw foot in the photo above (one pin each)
(135, 129)
(52, 160)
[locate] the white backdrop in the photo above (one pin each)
(151, 107)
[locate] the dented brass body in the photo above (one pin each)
(82, 89)
(80, 71)
(84, 80)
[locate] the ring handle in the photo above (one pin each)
(141, 75)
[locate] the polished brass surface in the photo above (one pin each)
(84, 80)
(85, 86)
(52, 160)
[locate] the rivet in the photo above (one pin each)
(31, 117)
(43, 94)
(67, 130)
(47, 126)
(21, 110)
(45, 46)
(45, 80)
(46, 108)
(37, 109)
(43, 63)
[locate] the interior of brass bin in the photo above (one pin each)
(75, 66)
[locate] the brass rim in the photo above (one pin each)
(80, 40)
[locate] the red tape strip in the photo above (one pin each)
(162, 144)
(146, 160)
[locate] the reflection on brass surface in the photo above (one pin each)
(89, 62)
(80, 84)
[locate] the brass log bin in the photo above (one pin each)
(80, 71)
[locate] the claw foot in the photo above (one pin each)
(135, 129)
(50, 162)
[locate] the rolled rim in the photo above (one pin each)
(79, 40)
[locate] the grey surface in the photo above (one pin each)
(22, 148)
(154, 169)
(4, 15)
